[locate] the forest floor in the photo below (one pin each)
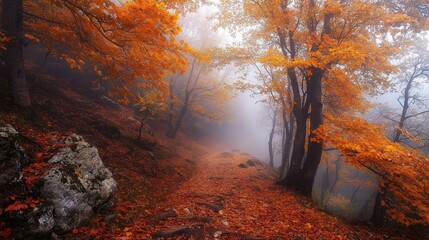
(231, 195)
(179, 189)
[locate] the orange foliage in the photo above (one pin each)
(130, 43)
(403, 171)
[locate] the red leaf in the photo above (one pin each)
(16, 206)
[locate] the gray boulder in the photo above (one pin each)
(12, 158)
(78, 185)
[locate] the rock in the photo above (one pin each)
(187, 211)
(217, 234)
(199, 219)
(255, 162)
(165, 215)
(41, 220)
(78, 185)
(251, 162)
(12, 158)
(242, 165)
(213, 207)
(171, 232)
(32, 223)
(191, 230)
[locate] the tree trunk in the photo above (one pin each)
(270, 141)
(379, 210)
(14, 56)
(315, 148)
(174, 127)
(291, 180)
(142, 125)
(405, 107)
(300, 112)
(286, 143)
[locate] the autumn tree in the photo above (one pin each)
(152, 103)
(199, 91)
(403, 189)
(202, 90)
(122, 41)
(327, 49)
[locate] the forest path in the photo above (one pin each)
(232, 196)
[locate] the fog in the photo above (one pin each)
(248, 128)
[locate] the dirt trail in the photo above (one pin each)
(232, 196)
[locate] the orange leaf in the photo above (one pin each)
(15, 207)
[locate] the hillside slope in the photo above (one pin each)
(145, 172)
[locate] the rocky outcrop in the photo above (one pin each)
(73, 189)
(78, 185)
(12, 158)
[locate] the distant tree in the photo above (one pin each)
(201, 90)
(413, 75)
(273, 116)
(150, 104)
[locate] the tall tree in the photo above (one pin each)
(129, 43)
(12, 20)
(322, 46)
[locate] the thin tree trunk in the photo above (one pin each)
(270, 141)
(352, 199)
(171, 108)
(141, 126)
(14, 56)
(379, 208)
(364, 210)
(287, 144)
(405, 107)
(171, 133)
